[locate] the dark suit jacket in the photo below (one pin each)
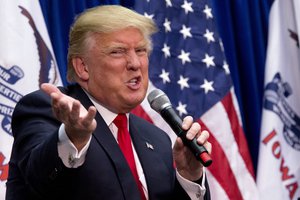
(37, 172)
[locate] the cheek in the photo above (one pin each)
(146, 73)
(145, 64)
(99, 77)
(104, 79)
(103, 69)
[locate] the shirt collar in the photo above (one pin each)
(106, 114)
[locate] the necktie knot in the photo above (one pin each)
(121, 121)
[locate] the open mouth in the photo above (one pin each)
(134, 83)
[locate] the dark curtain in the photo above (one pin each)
(243, 26)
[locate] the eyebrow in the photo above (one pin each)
(116, 45)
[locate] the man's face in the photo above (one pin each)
(117, 65)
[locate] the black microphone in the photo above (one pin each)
(160, 102)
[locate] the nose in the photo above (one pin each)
(133, 60)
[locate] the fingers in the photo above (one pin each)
(208, 146)
(89, 118)
(82, 120)
(74, 113)
(61, 106)
(194, 131)
(91, 113)
(187, 121)
(202, 137)
(69, 110)
(193, 128)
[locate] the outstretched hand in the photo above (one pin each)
(79, 122)
(186, 163)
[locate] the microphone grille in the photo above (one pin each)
(158, 100)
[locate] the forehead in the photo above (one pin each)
(127, 36)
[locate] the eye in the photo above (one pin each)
(118, 52)
(141, 51)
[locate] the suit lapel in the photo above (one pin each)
(150, 159)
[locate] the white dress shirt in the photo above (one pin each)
(73, 159)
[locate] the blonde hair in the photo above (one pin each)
(104, 19)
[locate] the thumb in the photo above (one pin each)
(50, 88)
(178, 144)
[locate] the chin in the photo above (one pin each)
(135, 100)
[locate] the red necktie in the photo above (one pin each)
(125, 144)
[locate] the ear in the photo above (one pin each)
(80, 68)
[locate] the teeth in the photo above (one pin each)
(133, 80)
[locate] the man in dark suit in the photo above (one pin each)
(67, 141)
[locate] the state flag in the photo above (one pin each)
(26, 61)
(278, 174)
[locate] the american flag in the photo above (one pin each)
(189, 65)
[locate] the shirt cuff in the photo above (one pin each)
(194, 190)
(67, 150)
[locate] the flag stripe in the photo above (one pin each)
(225, 175)
(140, 112)
(238, 131)
(218, 191)
(220, 128)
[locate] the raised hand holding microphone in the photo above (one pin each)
(190, 134)
(187, 164)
